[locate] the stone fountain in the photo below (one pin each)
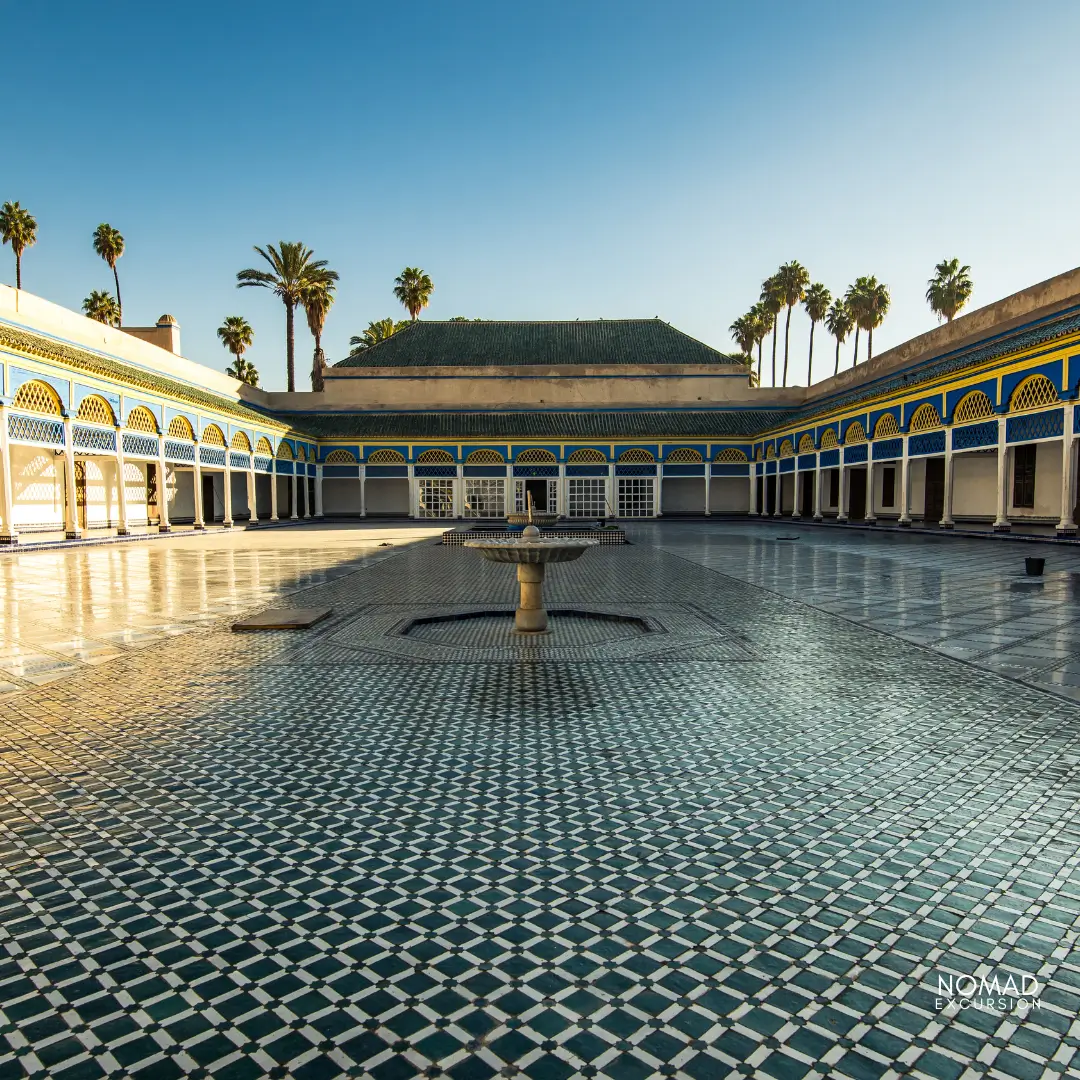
(532, 552)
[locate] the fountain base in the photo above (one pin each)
(531, 616)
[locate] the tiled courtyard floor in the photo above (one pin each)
(746, 842)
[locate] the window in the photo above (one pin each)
(834, 487)
(888, 486)
(436, 498)
(485, 498)
(587, 497)
(635, 496)
(1024, 476)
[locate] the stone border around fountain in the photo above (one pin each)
(457, 537)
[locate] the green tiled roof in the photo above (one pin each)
(701, 424)
(513, 344)
(104, 366)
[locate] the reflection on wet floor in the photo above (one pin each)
(63, 610)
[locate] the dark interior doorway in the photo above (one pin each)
(153, 512)
(806, 502)
(770, 495)
(760, 503)
(80, 493)
(208, 497)
(934, 506)
(537, 488)
(857, 495)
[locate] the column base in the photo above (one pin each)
(819, 517)
(1002, 528)
(796, 514)
(164, 528)
(904, 524)
(72, 534)
(945, 524)
(870, 520)
(227, 524)
(9, 539)
(274, 520)
(123, 532)
(842, 518)
(1066, 530)
(198, 526)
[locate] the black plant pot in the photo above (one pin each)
(1034, 567)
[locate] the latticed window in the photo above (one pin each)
(806, 444)
(386, 457)
(284, 451)
(829, 441)
(485, 498)
(212, 436)
(263, 447)
(142, 419)
(340, 457)
(855, 433)
(587, 496)
(96, 410)
(770, 452)
(240, 442)
(635, 497)
(535, 456)
(730, 456)
(973, 406)
(685, 455)
(180, 428)
(485, 457)
(787, 448)
(924, 418)
(37, 397)
(436, 498)
(636, 456)
(1034, 392)
(435, 457)
(886, 426)
(587, 456)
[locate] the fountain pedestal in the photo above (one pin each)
(531, 616)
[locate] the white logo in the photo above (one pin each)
(992, 993)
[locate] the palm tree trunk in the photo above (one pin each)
(119, 302)
(774, 337)
(759, 361)
(855, 360)
(869, 344)
(787, 334)
(290, 344)
(18, 270)
(810, 358)
(836, 369)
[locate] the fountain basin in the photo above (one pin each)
(532, 552)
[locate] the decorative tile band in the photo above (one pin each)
(829, 458)
(855, 454)
(179, 451)
(93, 438)
(928, 442)
(888, 448)
(35, 429)
(140, 445)
(973, 435)
(1041, 425)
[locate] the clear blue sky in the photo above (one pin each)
(557, 160)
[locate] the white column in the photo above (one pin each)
(8, 532)
(307, 493)
(295, 515)
(563, 502)
(612, 492)
(121, 486)
(228, 520)
(163, 489)
(841, 498)
(318, 491)
(946, 521)
(817, 487)
(71, 510)
(273, 489)
(658, 489)
(252, 491)
(363, 491)
(871, 517)
(796, 477)
(414, 493)
(753, 489)
(779, 490)
(708, 484)
(200, 520)
(1066, 526)
(1001, 522)
(905, 485)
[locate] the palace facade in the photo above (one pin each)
(103, 430)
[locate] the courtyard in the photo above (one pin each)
(750, 842)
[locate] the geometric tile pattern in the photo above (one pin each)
(220, 858)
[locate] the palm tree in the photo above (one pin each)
(816, 303)
(839, 322)
(772, 300)
(102, 307)
(244, 370)
(19, 229)
(949, 289)
(317, 301)
(791, 281)
(109, 244)
(413, 288)
(743, 333)
(376, 332)
(294, 272)
(869, 302)
(762, 325)
(236, 335)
